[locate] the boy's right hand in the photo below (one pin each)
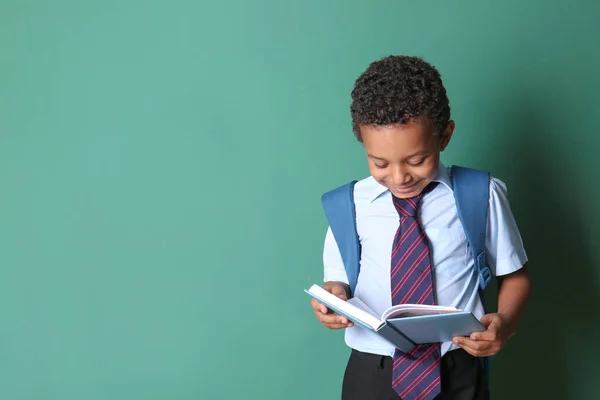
(322, 313)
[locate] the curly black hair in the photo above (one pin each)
(394, 90)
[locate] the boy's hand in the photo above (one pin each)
(326, 318)
(489, 342)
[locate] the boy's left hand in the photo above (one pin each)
(488, 342)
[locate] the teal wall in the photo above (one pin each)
(161, 164)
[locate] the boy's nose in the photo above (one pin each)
(400, 177)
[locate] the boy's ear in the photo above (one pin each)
(446, 135)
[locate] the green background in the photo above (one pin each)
(161, 166)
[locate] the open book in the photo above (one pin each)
(404, 325)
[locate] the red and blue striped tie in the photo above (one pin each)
(416, 375)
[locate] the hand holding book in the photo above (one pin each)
(325, 316)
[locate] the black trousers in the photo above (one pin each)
(369, 377)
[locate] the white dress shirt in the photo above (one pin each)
(454, 273)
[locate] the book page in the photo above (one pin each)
(355, 301)
(412, 310)
(354, 313)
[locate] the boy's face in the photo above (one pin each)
(404, 158)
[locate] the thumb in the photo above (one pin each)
(486, 320)
(490, 322)
(339, 292)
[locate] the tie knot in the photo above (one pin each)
(409, 207)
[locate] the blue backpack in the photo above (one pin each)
(471, 193)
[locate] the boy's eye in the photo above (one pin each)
(417, 163)
(380, 166)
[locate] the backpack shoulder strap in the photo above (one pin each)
(340, 212)
(471, 192)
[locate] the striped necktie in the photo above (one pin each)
(416, 375)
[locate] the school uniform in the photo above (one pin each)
(455, 279)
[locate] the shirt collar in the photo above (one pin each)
(441, 176)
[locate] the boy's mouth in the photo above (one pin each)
(406, 189)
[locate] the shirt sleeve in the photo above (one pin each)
(332, 260)
(504, 245)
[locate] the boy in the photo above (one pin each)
(414, 248)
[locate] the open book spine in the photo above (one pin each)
(396, 338)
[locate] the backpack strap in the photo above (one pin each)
(340, 212)
(471, 192)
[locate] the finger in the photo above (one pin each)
(489, 335)
(319, 307)
(332, 319)
(476, 348)
(486, 320)
(473, 344)
(337, 290)
(336, 326)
